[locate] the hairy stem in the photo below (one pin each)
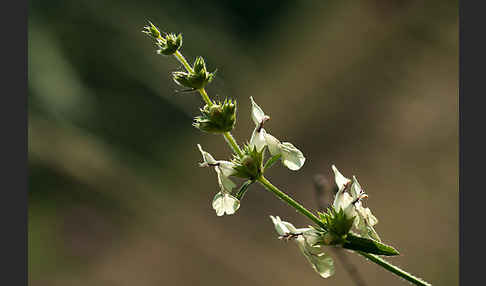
(232, 143)
(183, 61)
(205, 96)
(291, 202)
(392, 268)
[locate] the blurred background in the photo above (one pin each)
(115, 194)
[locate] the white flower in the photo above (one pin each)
(348, 198)
(306, 239)
(291, 157)
(223, 201)
(224, 169)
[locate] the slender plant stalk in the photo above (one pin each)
(205, 96)
(381, 262)
(283, 196)
(392, 268)
(232, 143)
(183, 61)
(291, 202)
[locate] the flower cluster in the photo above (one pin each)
(348, 198)
(347, 211)
(249, 164)
(166, 45)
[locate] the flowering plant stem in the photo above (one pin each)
(202, 91)
(392, 268)
(291, 202)
(283, 196)
(374, 258)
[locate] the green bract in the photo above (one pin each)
(198, 78)
(151, 31)
(338, 223)
(171, 44)
(168, 44)
(217, 118)
(250, 165)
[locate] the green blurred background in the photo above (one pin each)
(115, 194)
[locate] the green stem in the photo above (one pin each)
(376, 259)
(232, 143)
(205, 96)
(291, 202)
(392, 268)
(183, 61)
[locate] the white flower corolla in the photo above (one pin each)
(341, 181)
(321, 262)
(285, 228)
(291, 157)
(223, 202)
(348, 198)
(306, 240)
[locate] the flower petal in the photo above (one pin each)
(224, 182)
(321, 262)
(312, 237)
(258, 139)
(341, 181)
(285, 228)
(365, 222)
(226, 168)
(356, 191)
(257, 113)
(225, 203)
(208, 159)
(292, 157)
(280, 227)
(343, 201)
(273, 144)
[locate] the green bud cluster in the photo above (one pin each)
(198, 78)
(170, 44)
(167, 44)
(217, 118)
(250, 165)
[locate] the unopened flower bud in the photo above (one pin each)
(219, 118)
(196, 79)
(170, 45)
